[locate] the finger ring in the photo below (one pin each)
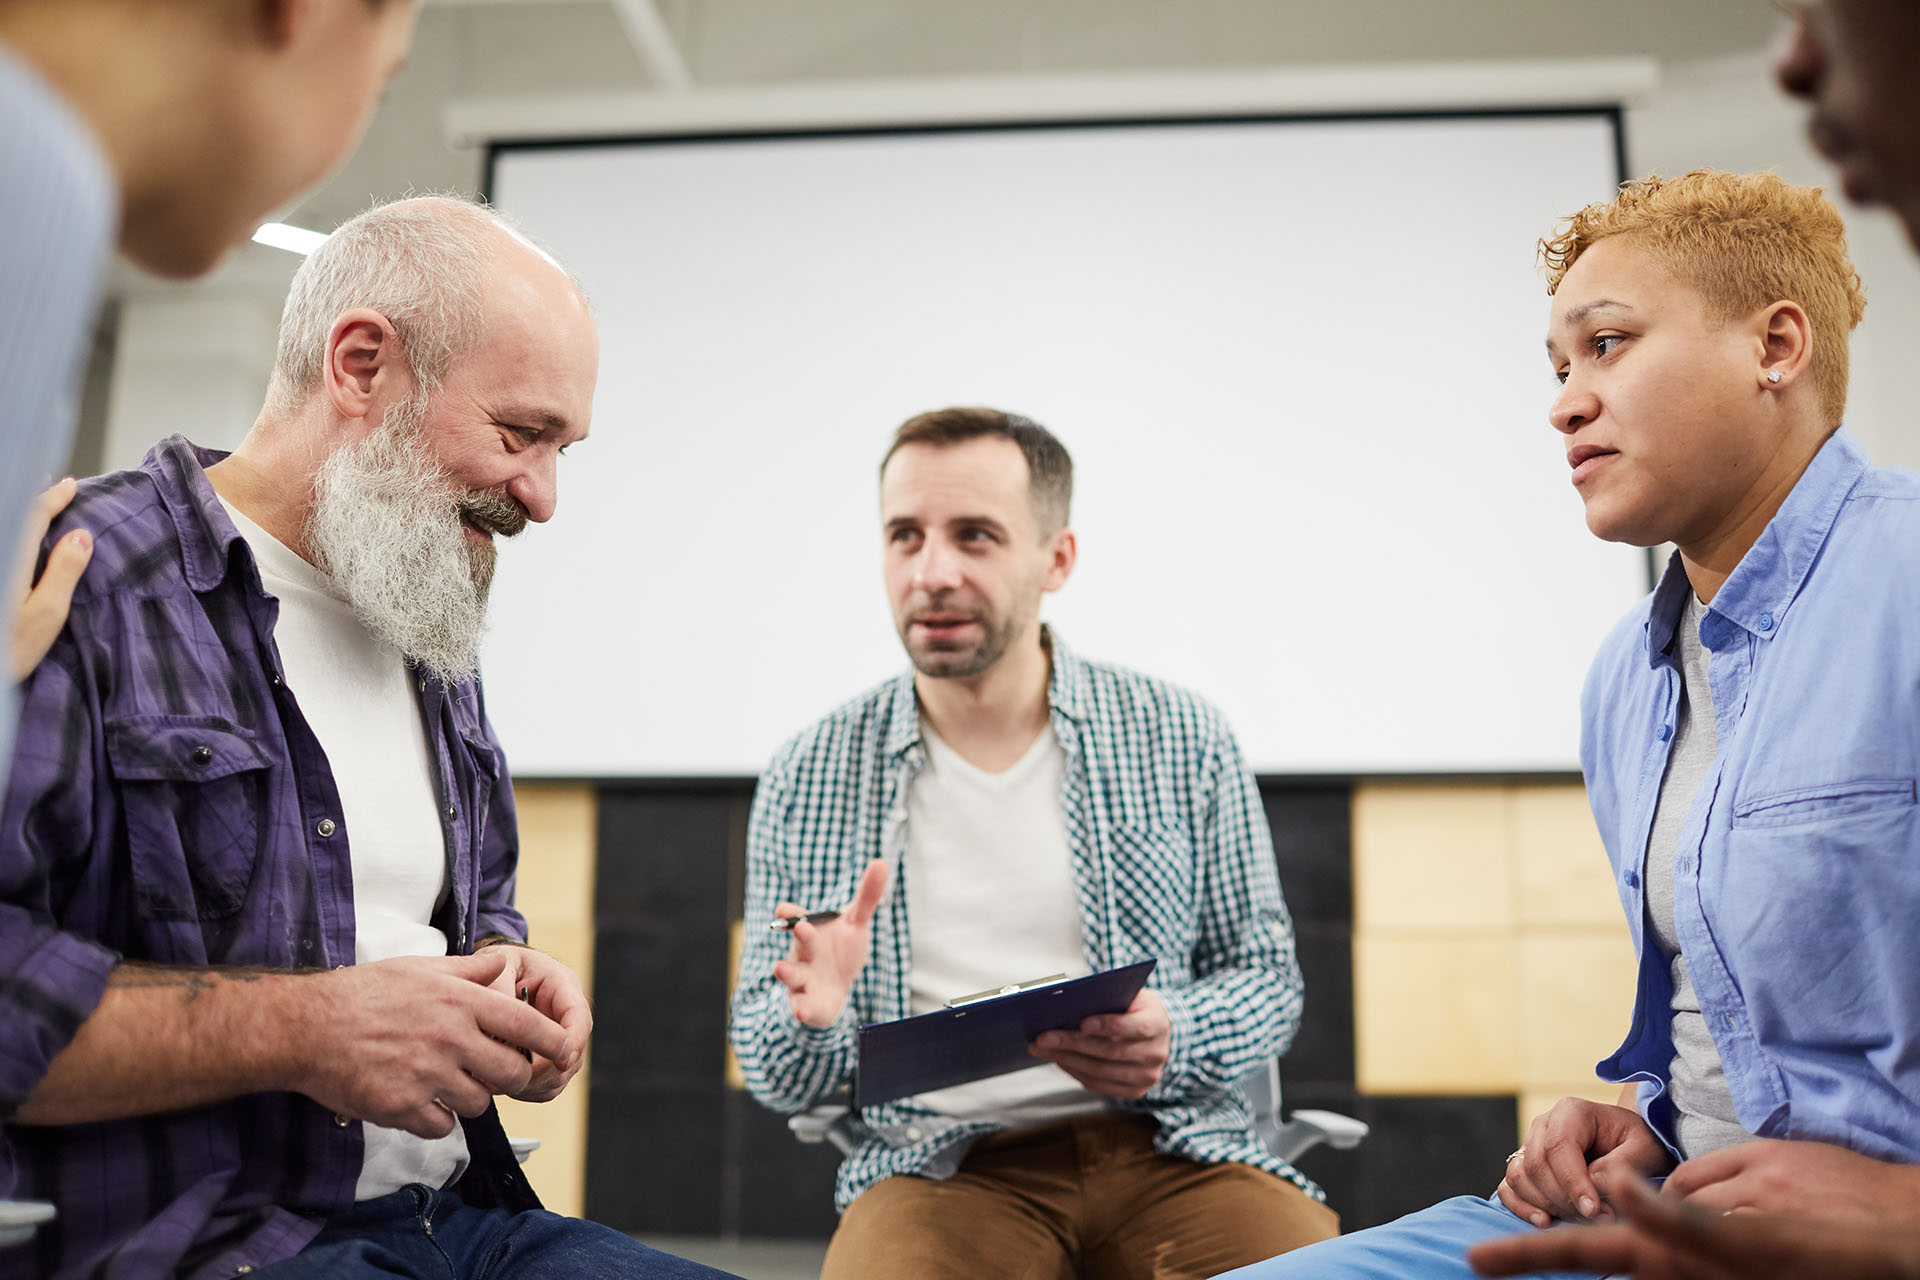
(1516, 1155)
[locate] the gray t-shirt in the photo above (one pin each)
(1702, 1101)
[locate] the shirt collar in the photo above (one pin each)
(1762, 587)
(206, 534)
(1066, 695)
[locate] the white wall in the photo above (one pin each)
(1297, 443)
(192, 364)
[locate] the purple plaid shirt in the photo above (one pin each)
(169, 803)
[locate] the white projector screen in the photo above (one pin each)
(1299, 365)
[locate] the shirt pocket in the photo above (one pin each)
(193, 789)
(1154, 894)
(1827, 802)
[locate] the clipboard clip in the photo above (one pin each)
(1011, 989)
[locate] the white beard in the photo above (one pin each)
(386, 526)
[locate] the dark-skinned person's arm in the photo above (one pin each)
(1665, 1238)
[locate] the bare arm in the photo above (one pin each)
(406, 1043)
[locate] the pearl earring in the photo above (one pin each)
(1773, 375)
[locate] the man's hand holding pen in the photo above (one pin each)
(828, 954)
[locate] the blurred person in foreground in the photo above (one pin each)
(172, 129)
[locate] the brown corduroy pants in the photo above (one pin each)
(1087, 1197)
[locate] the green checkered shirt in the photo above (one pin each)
(1172, 859)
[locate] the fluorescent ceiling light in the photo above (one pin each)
(293, 239)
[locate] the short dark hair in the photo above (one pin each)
(1049, 466)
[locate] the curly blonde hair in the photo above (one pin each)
(1744, 240)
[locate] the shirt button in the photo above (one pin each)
(899, 813)
(342, 1119)
(450, 811)
(1766, 622)
(274, 681)
(421, 685)
(1664, 732)
(913, 1133)
(1633, 879)
(324, 827)
(203, 754)
(242, 1269)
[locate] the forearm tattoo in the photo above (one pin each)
(189, 979)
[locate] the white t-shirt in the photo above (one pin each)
(357, 694)
(994, 901)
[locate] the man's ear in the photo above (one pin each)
(1786, 344)
(1064, 549)
(364, 364)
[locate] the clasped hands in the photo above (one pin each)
(1121, 1055)
(435, 1037)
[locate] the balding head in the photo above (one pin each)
(425, 263)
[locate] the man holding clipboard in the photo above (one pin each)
(1004, 811)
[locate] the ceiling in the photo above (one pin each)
(534, 56)
(536, 51)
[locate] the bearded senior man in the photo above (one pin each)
(259, 828)
(1048, 813)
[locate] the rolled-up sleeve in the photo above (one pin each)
(788, 1065)
(50, 980)
(1245, 1004)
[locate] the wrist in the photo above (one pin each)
(275, 1028)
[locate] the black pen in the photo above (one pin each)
(786, 923)
(524, 1051)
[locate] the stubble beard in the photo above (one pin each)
(948, 663)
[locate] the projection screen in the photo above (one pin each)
(1299, 364)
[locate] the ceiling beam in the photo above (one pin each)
(658, 50)
(1454, 86)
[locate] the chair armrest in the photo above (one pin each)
(1305, 1130)
(19, 1218)
(821, 1124)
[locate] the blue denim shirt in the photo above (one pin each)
(1797, 876)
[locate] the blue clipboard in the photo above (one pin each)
(984, 1038)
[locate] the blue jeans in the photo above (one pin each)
(419, 1233)
(1429, 1245)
